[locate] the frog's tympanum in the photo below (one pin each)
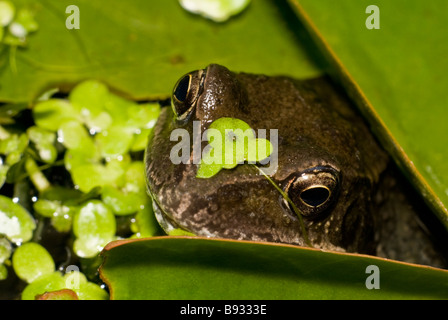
(329, 164)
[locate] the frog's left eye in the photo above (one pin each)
(186, 92)
(314, 190)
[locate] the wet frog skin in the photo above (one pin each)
(328, 163)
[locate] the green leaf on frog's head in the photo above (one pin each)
(231, 142)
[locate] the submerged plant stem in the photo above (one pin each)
(293, 206)
(37, 177)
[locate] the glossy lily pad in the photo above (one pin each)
(199, 268)
(397, 76)
(135, 48)
(141, 47)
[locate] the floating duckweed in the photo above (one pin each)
(17, 30)
(5, 249)
(96, 139)
(94, 226)
(130, 195)
(44, 142)
(5, 254)
(89, 246)
(180, 232)
(47, 283)
(39, 135)
(217, 10)
(3, 272)
(52, 113)
(94, 218)
(91, 291)
(3, 171)
(86, 177)
(60, 215)
(55, 281)
(46, 208)
(89, 98)
(7, 11)
(25, 18)
(13, 147)
(74, 136)
(115, 141)
(31, 261)
(15, 221)
(121, 202)
(84, 289)
(79, 157)
(142, 116)
(141, 140)
(15, 26)
(99, 123)
(145, 223)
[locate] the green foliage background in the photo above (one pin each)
(396, 75)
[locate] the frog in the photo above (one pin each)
(329, 164)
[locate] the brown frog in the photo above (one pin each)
(329, 165)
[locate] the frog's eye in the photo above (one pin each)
(186, 92)
(314, 190)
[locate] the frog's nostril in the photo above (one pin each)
(315, 196)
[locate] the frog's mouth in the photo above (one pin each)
(167, 224)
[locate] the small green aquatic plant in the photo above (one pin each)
(71, 166)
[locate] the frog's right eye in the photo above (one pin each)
(186, 92)
(314, 190)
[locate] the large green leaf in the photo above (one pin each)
(398, 76)
(200, 268)
(142, 47)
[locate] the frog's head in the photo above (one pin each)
(328, 162)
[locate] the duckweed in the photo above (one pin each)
(72, 179)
